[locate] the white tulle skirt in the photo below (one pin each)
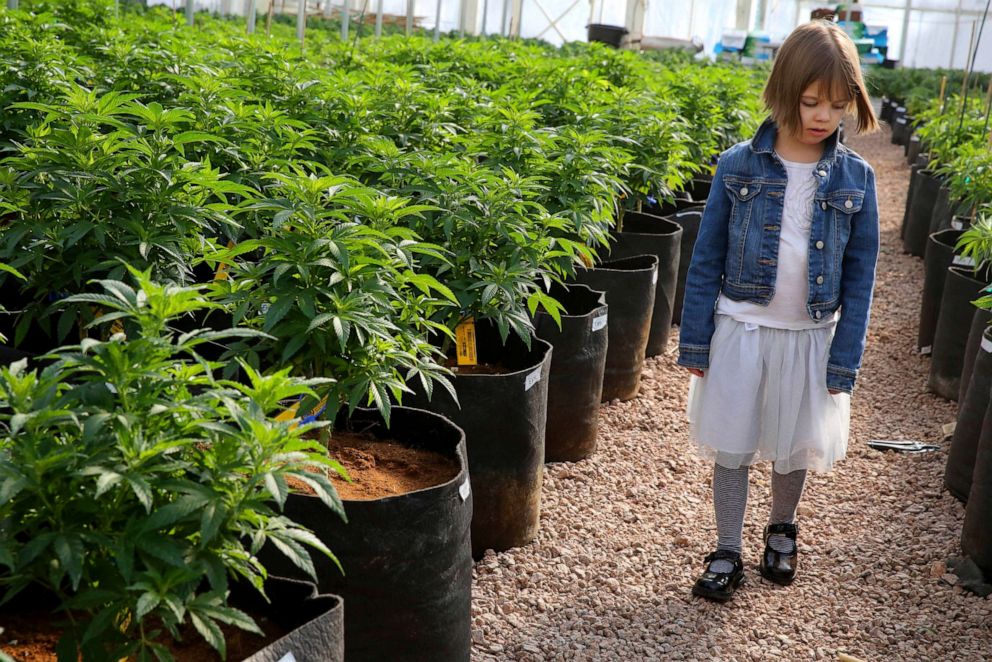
(765, 397)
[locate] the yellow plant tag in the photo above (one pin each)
(222, 267)
(465, 340)
(291, 413)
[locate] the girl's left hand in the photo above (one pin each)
(832, 391)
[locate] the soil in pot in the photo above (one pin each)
(380, 468)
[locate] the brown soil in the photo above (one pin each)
(380, 469)
(480, 369)
(32, 637)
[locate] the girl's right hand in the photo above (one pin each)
(696, 371)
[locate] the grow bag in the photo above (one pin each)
(914, 172)
(644, 234)
(914, 241)
(407, 559)
(504, 418)
(940, 218)
(900, 130)
(979, 322)
(976, 534)
(606, 34)
(953, 325)
(939, 256)
(629, 284)
(665, 208)
(912, 150)
(689, 219)
(885, 112)
(699, 187)
(575, 382)
(961, 222)
(971, 415)
(315, 623)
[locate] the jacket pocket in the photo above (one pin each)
(743, 195)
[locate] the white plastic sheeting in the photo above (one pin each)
(922, 33)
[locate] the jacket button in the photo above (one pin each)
(848, 204)
(817, 314)
(744, 190)
(823, 206)
(819, 245)
(819, 280)
(822, 173)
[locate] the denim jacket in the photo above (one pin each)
(737, 248)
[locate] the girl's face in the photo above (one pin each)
(819, 113)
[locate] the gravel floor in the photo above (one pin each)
(623, 533)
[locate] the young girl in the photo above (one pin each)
(777, 298)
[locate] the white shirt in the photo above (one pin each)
(787, 308)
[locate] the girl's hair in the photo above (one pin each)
(817, 51)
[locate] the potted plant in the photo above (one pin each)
(138, 487)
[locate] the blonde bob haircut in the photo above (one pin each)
(817, 52)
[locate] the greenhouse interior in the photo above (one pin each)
(450, 330)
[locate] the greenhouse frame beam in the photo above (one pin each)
(553, 22)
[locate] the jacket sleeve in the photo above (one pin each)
(705, 276)
(856, 286)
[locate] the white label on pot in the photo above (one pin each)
(654, 277)
(957, 225)
(964, 261)
(599, 323)
(986, 345)
(901, 120)
(288, 657)
(532, 379)
(465, 489)
(926, 350)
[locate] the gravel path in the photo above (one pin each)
(623, 533)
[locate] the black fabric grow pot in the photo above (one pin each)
(914, 241)
(914, 173)
(606, 34)
(699, 187)
(939, 256)
(971, 415)
(629, 284)
(504, 418)
(689, 219)
(644, 234)
(979, 322)
(575, 382)
(315, 623)
(900, 131)
(913, 150)
(976, 532)
(885, 113)
(943, 209)
(953, 325)
(665, 208)
(407, 559)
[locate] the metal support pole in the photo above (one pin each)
(485, 13)
(345, 19)
(328, 8)
(12, 4)
(250, 10)
(437, 21)
(378, 20)
(502, 26)
(301, 20)
(189, 12)
(905, 33)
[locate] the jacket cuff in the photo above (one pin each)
(840, 379)
(694, 356)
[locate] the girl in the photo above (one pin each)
(777, 298)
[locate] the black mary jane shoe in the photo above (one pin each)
(780, 567)
(720, 586)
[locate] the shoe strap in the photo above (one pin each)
(788, 529)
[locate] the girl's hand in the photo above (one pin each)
(833, 391)
(696, 371)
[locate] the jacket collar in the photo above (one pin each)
(764, 142)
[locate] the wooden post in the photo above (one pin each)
(967, 69)
(515, 18)
(268, 17)
(250, 10)
(301, 20)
